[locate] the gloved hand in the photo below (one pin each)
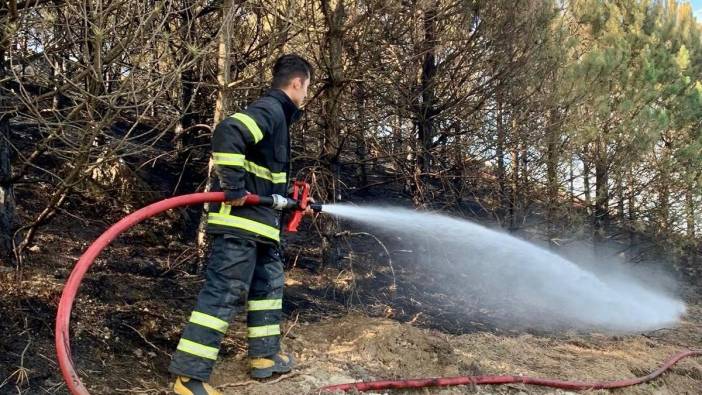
(235, 198)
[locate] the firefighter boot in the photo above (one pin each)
(262, 368)
(188, 386)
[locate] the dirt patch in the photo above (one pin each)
(356, 347)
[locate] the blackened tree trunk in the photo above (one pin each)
(552, 161)
(7, 198)
(515, 198)
(586, 177)
(690, 212)
(428, 103)
(361, 144)
(332, 66)
(188, 80)
(601, 219)
(500, 153)
(223, 106)
(424, 110)
(332, 100)
(664, 189)
(224, 103)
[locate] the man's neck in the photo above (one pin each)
(287, 93)
(292, 112)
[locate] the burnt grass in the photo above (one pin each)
(135, 299)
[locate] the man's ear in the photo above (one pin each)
(297, 83)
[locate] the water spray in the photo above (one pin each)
(541, 289)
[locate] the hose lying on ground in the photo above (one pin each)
(483, 380)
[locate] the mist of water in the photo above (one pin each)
(535, 280)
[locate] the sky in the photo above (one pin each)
(697, 7)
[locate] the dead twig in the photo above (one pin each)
(182, 171)
(250, 382)
(21, 375)
(297, 316)
(138, 390)
(147, 387)
(146, 340)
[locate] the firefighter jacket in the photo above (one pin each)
(251, 153)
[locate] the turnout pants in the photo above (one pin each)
(237, 269)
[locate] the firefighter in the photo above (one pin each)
(251, 153)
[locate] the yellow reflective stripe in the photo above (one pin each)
(260, 171)
(250, 124)
(223, 158)
(225, 209)
(197, 349)
(268, 304)
(266, 330)
(209, 321)
(279, 178)
(244, 223)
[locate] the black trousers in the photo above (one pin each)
(238, 269)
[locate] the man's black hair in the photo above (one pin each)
(288, 67)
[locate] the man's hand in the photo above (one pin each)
(238, 202)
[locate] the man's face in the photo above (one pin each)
(298, 93)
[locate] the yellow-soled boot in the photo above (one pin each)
(188, 386)
(262, 368)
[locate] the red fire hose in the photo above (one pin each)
(76, 387)
(482, 380)
(298, 204)
(63, 316)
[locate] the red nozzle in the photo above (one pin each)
(301, 192)
(298, 204)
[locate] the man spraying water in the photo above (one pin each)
(251, 152)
